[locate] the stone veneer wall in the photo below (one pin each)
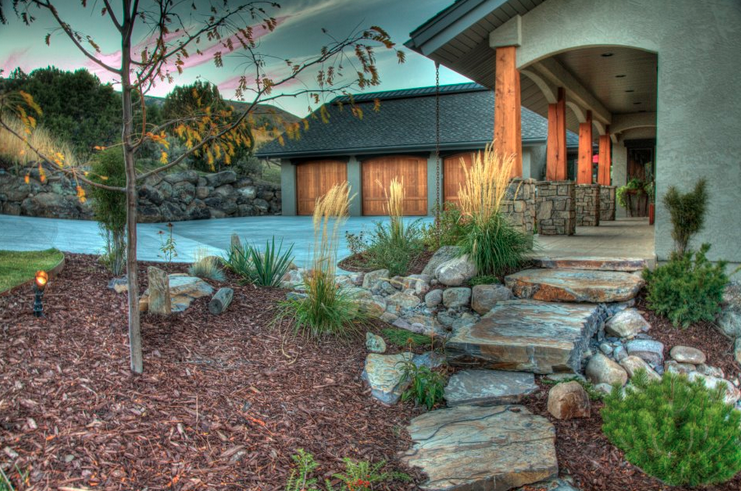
(556, 207)
(162, 198)
(587, 205)
(607, 203)
(519, 204)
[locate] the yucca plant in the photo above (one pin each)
(264, 267)
(490, 240)
(206, 266)
(326, 309)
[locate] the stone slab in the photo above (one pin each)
(469, 448)
(488, 387)
(592, 263)
(573, 285)
(528, 336)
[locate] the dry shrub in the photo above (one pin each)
(16, 151)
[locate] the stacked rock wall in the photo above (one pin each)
(607, 203)
(587, 205)
(162, 198)
(519, 204)
(556, 207)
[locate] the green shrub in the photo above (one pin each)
(496, 246)
(264, 267)
(687, 212)
(688, 288)
(426, 386)
(483, 280)
(448, 232)
(621, 194)
(402, 337)
(676, 430)
(109, 207)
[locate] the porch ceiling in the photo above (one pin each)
(458, 38)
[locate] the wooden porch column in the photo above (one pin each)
(507, 108)
(603, 174)
(556, 167)
(584, 172)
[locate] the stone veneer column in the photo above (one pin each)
(519, 204)
(607, 203)
(556, 207)
(587, 205)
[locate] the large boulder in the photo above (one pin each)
(401, 300)
(456, 271)
(373, 277)
(732, 394)
(151, 194)
(687, 354)
(50, 205)
(445, 253)
(649, 349)
(184, 192)
(602, 370)
(457, 297)
(627, 324)
(384, 376)
(485, 297)
(632, 364)
(247, 194)
(434, 298)
(569, 400)
(225, 191)
(221, 178)
(189, 176)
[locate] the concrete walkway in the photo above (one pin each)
(82, 236)
(622, 238)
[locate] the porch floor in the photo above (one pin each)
(624, 237)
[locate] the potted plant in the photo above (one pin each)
(633, 197)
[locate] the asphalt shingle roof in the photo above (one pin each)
(405, 122)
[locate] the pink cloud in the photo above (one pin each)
(16, 59)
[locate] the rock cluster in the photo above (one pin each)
(162, 198)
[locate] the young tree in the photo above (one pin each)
(156, 41)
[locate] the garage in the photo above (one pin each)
(377, 174)
(454, 175)
(314, 179)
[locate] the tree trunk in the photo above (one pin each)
(135, 341)
(220, 301)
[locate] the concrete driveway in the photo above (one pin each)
(82, 236)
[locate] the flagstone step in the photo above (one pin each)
(624, 264)
(468, 448)
(488, 387)
(574, 285)
(528, 336)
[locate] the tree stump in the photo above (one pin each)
(220, 301)
(159, 291)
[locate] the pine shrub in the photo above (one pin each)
(687, 289)
(676, 430)
(109, 207)
(687, 212)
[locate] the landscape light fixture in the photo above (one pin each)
(39, 284)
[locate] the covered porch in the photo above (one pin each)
(629, 83)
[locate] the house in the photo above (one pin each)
(393, 134)
(655, 84)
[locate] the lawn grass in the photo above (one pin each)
(18, 267)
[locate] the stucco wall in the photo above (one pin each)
(533, 162)
(699, 49)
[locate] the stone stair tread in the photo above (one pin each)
(488, 387)
(477, 447)
(528, 336)
(574, 285)
(594, 263)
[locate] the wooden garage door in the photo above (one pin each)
(314, 179)
(454, 176)
(413, 172)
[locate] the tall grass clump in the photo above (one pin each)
(109, 207)
(14, 150)
(206, 266)
(260, 266)
(489, 238)
(393, 245)
(326, 309)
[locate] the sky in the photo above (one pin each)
(299, 35)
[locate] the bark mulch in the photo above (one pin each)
(223, 404)
(585, 453)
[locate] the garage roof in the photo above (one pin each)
(405, 122)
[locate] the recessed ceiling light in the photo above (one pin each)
(620, 76)
(630, 90)
(636, 103)
(606, 55)
(642, 111)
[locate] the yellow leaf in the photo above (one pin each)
(163, 158)
(81, 194)
(27, 179)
